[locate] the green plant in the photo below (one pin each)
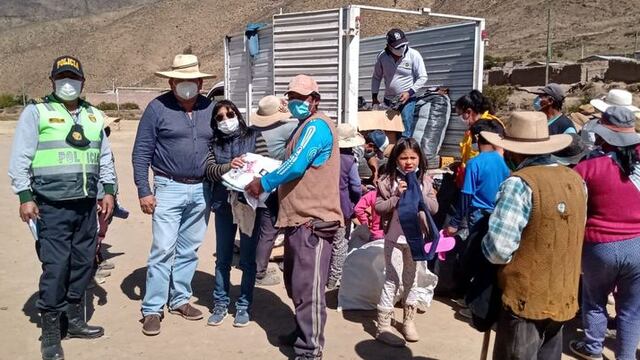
(129, 106)
(499, 95)
(9, 100)
(104, 106)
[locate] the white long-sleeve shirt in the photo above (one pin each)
(406, 74)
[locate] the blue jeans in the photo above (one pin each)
(605, 267)
(407, 113)
(225, 237)
(179, 224)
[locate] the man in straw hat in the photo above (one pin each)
(536, 232)
(275, 123)
(173, 139)
(309, 211)
(59, 156)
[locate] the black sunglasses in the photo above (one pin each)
(222, 116)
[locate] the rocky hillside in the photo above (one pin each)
(127, 40)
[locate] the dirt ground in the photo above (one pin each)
(116, 303)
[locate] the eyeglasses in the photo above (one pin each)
(222, 116)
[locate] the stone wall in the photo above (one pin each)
(625, 71)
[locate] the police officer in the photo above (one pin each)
(59, 155)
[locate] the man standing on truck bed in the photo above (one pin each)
(404, 74)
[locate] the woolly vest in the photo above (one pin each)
(541, 281)
(316, 194)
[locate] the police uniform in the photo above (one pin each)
(58, 158)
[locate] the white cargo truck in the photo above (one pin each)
(327, 45)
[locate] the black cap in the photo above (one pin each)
(67, 63)
(396, 38)
(553, 90)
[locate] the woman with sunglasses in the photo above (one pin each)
(231, 140)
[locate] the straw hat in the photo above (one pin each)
(348, 137)
(270, 111)
(615, 97)
(185, 66)
(527, 133)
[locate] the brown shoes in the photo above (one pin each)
(151, 324)
(188, 312)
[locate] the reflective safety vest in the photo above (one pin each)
(61, 171)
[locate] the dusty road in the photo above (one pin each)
(116, 303)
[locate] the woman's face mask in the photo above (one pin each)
(229, 126)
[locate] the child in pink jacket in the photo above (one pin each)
(366, 214)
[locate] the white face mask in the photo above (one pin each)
(229, 126)
(399, 51)
(187, 90)
(68, 89)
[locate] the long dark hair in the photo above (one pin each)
(218, 135)
(402, 145)
(475, 101)
(627, 158)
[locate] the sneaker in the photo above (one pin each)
(242, 318)
(270, 279)
(151, 324)
(106, 265)
(579, 348)
(188, 312)
(466, 313)
(218, 316)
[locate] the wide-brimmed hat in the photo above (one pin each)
(185, 66)
(348, 137)
(617, 127)
(303, 85)
(615, 97)
(527, 133)
(270, 111)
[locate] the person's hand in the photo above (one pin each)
(254, 188)
(450, 230)
(148, 204)
(237, 163)
(29, 211)
(108, 203)
(404, 97)
(402, 186)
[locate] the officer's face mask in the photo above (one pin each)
(68, 89)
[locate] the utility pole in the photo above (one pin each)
(582, 51)
(635, 44)
(546, 70)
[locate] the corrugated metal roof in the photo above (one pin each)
(310, 43)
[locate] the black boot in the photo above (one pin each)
(78, 328)
(50, 343)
